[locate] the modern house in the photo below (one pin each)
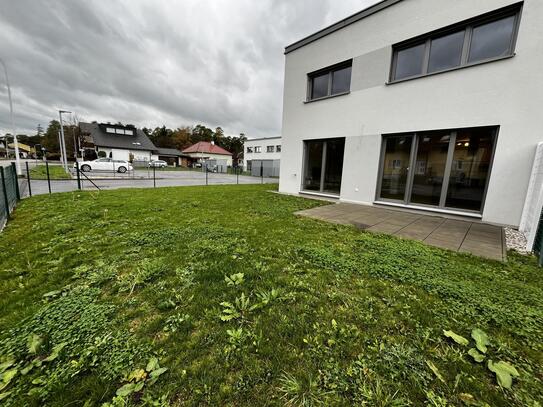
(119, 142)
(423, 104)
(262, 156)
(206, 151)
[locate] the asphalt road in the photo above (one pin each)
(163, 179)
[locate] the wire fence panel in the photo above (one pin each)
(9, 193)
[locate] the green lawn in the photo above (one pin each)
(220, 295)
(55, 172)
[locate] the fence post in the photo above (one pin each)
(16, 180)
(206, 174)
(28, 179)
(78, 175)
(262, 172)
(154, 177)
(48, 178)
(237, 175)
(4, 189)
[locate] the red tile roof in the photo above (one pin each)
(206, 147)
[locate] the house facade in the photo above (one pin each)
(262, 154)
(119, 142)
(422, 104)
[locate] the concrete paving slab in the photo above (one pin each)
(464, 236)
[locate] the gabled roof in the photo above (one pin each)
(340, 24)
(206, 147)
(100, 138)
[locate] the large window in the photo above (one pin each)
(444, 169)
(482, 39)
(330, 81)
(323, 165)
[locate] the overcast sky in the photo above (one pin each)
(149, 63)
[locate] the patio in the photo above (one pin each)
(477, 238)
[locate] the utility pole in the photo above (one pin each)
(15, 142)
(63, 142)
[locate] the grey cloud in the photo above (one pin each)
(155, 62)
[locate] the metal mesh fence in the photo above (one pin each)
(8, 192)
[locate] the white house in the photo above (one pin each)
(119, 142)
(262, 154)
(205, 151)
(425, 104)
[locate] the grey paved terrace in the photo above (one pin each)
(477, 238)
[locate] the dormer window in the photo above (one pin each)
(110, 130)
(119, 131)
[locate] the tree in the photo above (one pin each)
(50, 139)
(181, 137)
(201, 133)
(162, 137)
(218, 135)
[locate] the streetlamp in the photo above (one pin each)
(15, 142)
(62, 141)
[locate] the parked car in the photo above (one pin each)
(158, 163)
(105, 164)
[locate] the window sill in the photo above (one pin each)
(486, 61)
(327, 97)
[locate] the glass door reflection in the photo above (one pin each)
(395, 167)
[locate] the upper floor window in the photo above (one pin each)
(278, 149)
(249, 149)
(258, 149)
(269, 149)
(330, 81)
(481, 39)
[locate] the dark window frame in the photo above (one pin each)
(468, 26)
(278, 148)
(257, 149)
(329, 70)
(249, 150)
(270, 149)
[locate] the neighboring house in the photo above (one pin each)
(25, 150)
(205, 151)
(423, 104)
(119, 142)
(262, 156)
(171, 155)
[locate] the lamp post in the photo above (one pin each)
(62, 141)
(15, 142)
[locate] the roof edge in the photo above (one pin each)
(340, 24)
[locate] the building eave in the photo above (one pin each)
(340, 24)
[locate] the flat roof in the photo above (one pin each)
(262, 138)
(341, 24)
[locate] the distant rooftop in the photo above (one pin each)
(206, 147)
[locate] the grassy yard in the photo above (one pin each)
(222, 296)
(55, 172)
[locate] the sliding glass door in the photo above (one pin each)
(446, 169)
(323, 165)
